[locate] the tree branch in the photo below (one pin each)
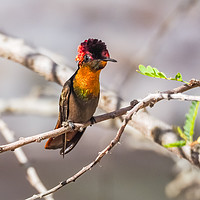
(17, 51)
(144, 103)
(150, 100)
(32, 175)
(54, 133)
(159, 132)
(135, 108)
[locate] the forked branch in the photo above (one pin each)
(147, 101)
(17, 51)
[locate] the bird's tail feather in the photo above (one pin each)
(65, 141)
(72, 143)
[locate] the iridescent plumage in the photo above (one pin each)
(80, 94)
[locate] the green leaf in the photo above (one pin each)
(162, 75)
(180, 143)
(181, 133)
(142, 69)
(190, 121)
(153, 72)
(148, 74)
(178, 77)
(149, 69)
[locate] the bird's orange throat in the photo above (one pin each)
(86, 83)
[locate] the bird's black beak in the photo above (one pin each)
(101, 63)
(109, 59)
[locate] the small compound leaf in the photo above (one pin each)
(180, 143)
(155, 72)
(178, 77)
(162, 75)
(149, 69)
(181, 133)
(142, 68)
(148, 74)
(190, 120)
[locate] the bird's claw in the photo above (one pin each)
(68, 123)
(92, 120)
(71, 125)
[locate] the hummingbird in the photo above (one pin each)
(80, 94)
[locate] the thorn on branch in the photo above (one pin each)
(134, 102)
(92, 120)
(169, 97)
(112, 144)
(152, 103)
(39, 139)
(193, 82)
(63, 183)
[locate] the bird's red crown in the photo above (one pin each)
(95, 48)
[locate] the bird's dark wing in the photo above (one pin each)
(68, 140)
(60, 141)
(64, 101)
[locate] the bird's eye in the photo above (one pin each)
(87, 58)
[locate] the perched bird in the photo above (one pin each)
(80, 94)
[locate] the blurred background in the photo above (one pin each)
(160, 33)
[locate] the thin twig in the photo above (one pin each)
(144, 103)
(32, 175)
(149, 100)
(18, 51)
(39, 137)
(84, 169)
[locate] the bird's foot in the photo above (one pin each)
(92, 120)
(68, 123)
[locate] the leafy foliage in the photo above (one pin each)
(181, 133)
(153, 72)
(190, 121)
(188, 130)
